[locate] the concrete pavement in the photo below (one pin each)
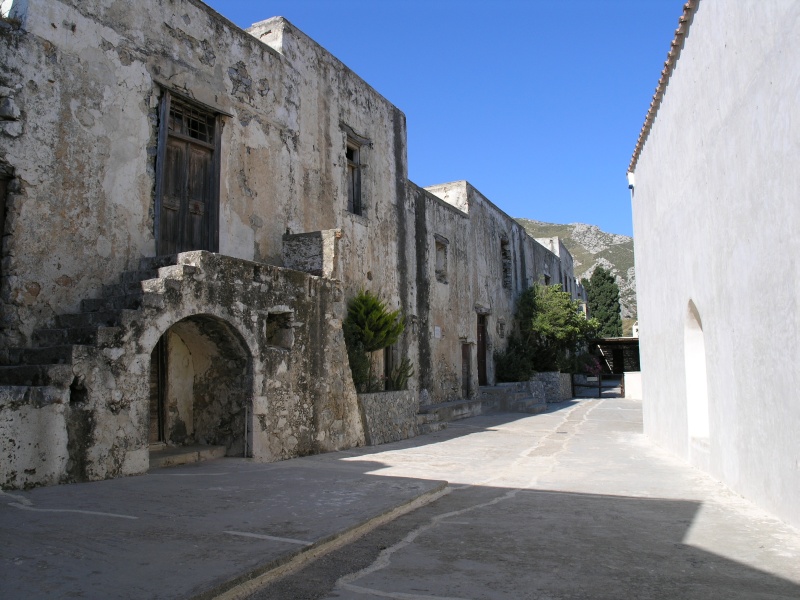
(573, 503)
(190, 531)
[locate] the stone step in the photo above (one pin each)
(98, 335)
(52, 355)
(36, 396)
(177, 271)
(454, 410)
(100, 318)
(172, 456)
(122, 289)
(528, 405)
(427, 418)
(131, 301)
(128, 277)
(156, 262)
(431, 427)
(59, 376)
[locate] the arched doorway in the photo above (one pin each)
(694, 348)
(200, 387)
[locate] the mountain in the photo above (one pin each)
(591, 247)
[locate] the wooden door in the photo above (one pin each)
(187, 188)
(466, 369)
(158, 375)
(481, 349)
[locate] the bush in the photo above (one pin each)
(370, 326)
(398, 379)
(550, 332)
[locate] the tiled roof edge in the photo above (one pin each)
(676, 46)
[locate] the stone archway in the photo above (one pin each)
(201, 387)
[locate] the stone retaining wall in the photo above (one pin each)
(388, 416)
(557, 386)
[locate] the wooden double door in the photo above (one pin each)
(187, 195)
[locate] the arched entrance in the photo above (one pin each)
(694, 349)
(200, 387)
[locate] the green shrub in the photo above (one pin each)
(550, 332)
(398, 379)
(370, 326)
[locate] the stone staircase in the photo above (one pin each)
(429, 422)
(99, 326)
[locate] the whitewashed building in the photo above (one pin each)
(716, 210)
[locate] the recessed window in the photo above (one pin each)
(354, 199)
(278, 330)
(505, 256)
(3, 201)
(441, 244)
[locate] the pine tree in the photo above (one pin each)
(369, 326)
(603, 298)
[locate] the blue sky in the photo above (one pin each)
(537, 103)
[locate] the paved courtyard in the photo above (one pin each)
(570, 504)
(574, 503)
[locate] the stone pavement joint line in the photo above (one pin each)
(385, 558)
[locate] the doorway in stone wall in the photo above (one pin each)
(466, 369)
(481, 338)
(200, 390)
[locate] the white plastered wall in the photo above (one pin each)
(716, 214)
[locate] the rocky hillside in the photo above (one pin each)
(591, 247)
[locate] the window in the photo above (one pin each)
(187, 182)
(505, 255)
(278, 330)
(353, 154)
(356, 148)
(3, 201)
(441, 244)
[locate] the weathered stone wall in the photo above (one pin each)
(389, 416)
(557, 386)
(476, 281)
(81, 86)
(300, 399)
(316, 252)
(90, 75)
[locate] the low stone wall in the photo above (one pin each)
(557, 386)
(389, 416)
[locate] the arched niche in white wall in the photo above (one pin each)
(694, 351)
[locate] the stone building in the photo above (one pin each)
(186, 209)
(715, 208)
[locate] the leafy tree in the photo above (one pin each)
(603, 298)
(370, 326)
(550, 332)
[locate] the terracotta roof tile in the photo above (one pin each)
(674, 53)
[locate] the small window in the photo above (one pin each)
(441, 244)
(505, 255)
(354, 199)
(3, 202)
(278, 330)
(547, 279)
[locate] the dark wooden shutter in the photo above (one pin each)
(187, 186)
